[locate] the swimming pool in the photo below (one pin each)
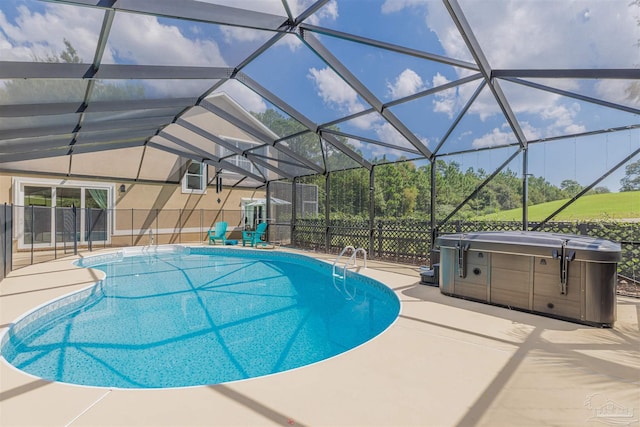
(183, 316)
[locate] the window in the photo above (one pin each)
(195, 179)
(241, 161)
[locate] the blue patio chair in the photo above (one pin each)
(218, 233)
(254, 237)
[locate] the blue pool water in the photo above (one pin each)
(197, 316)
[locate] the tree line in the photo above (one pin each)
(403, 189)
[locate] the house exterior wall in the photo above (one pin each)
(166, 208)
(159, 211)
(5, 189)
(136, 192)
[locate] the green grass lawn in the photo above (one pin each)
(618, 206)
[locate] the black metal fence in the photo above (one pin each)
(6, 231)
(45, 233)
(42, 233)
(409, 240)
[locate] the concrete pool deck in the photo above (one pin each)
(444, 362)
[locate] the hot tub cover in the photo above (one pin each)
(535, 243)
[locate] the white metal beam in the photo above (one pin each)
(190, 10)
(391, 47)
(574, 95)
(587, 73)
(63, 70)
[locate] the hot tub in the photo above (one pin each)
(559, 275)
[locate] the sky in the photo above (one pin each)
(513, 34)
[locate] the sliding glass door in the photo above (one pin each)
(64, 214)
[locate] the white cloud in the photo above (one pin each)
(407, 83)
(465, 134)
(564, 34)
(355, 143)
(238, 34)
(244, 96)
(485, 105)
(439, 80)
(388, 134)
(497, 137)
(134, 38)
(334, 91)
(504, 135)
(291, 41)
(552, 119)
(39, 35)
(390, 6)
(438, 20)
(530, 132)
(562, 118)
(616, 91)
(328, 12)
(273, 7)
(143, 40)
(446, 101)
(368, 121)
(379, 152)
(573, 128)
(546, 114)
(560, 35)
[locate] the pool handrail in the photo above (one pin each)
(352, 260)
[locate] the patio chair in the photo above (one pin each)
(218, 233)
(254, 237)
